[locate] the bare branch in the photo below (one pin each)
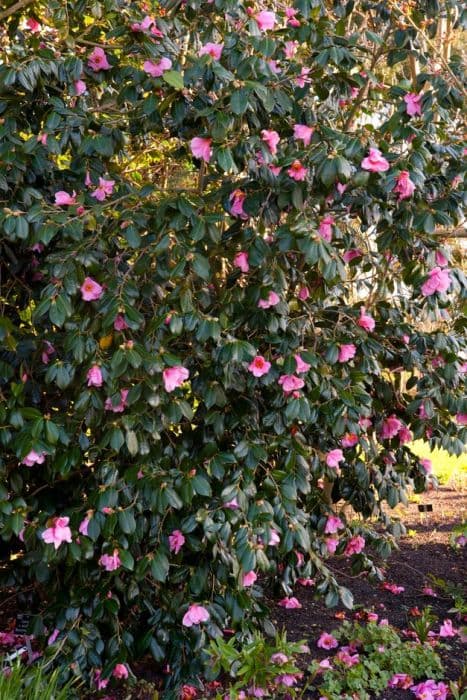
(14, 8)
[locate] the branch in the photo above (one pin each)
(14, 8)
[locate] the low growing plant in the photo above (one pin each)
(34, 683)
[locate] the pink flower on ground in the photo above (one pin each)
(33, 458)
(400, 680)
(366, 321)
(265, 20)
(413, 104)
(297, 171)
(64, 199)
(349, 440)
(390, 428)
(213, 50)
(236, 204)
(272, 300)
(302, 132)
(302, 366)
(447, 630)
(290, 603)
(426, 590)
(287, 679)
(438, 280)
(94, 376)
(53, 637)
(110, 562)
(83, 526)
(430, 690)
(174, 377)
(327, 641)
(393, 588)
(325, 228)
(98, 60)
(333, 458)
(355, 545)
(80, 87)
(249, 579)
(58, 532)
(120, 671)
(155, 70)
(271, 139)
(303, 293)
(404, 186)
(195, 615)
(241, 261)
(306, 582)
(176, 541)
(279, 658)
(120, 407)
(346, 352)
(289, 383)
(120, 324)
(375, 162)
(427, 465)
(259, 366)
(347, 659)
(91, 290)
(333, 524)
(201, 148)
(104, 189)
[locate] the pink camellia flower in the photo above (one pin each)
(290, 603)
(213, 50)
(47, 352)
(427, 465)
(331, 544)
(413, 104)
(447, 630)
(441, 259)
(349, 440)
(236, 204)
(33, 458)
(306, 582)
(249, 579)
(201, 148)
(265, 20)
(259, 366)
(64, 199)
(430, 690)
(297, 171)
(346, 352)
(83, 526)
(53, 637)
(271, 139)
(303, 293)
(33, 25)
(333, 524)
(325, 228)
(120, 407)
(120, 324)
(155, 70)
(289, 383)
(104, 189)
(275, 169)
(274, 538)
(302, 132)
(426, 590)
(80, 87)
(392, 588)
(272, 300)
(279, 658)
(302, 366)
(241, 261)
(176, 541)
(333, 458)
(327, 641)
(355, 545)
(91, 290)
(273, 66)
(366, 321)
(110, 562)
(347, 659)
(290, 49)
(438, 280)
(461, 418)
(340, 187)
(400, 680)
(195, 615)
(98, 60)
(290, 13)
(58, 532)
(390, 427)
(120, 671)
(375, 162)
(351, 254)
(303, 78)
(101, 683)
(404, 435)
(404, 186)
(232, 504)
(174, 377)
(94, 376)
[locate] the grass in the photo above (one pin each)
(21, 682)
(447, 468)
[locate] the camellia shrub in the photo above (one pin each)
(228, 304)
